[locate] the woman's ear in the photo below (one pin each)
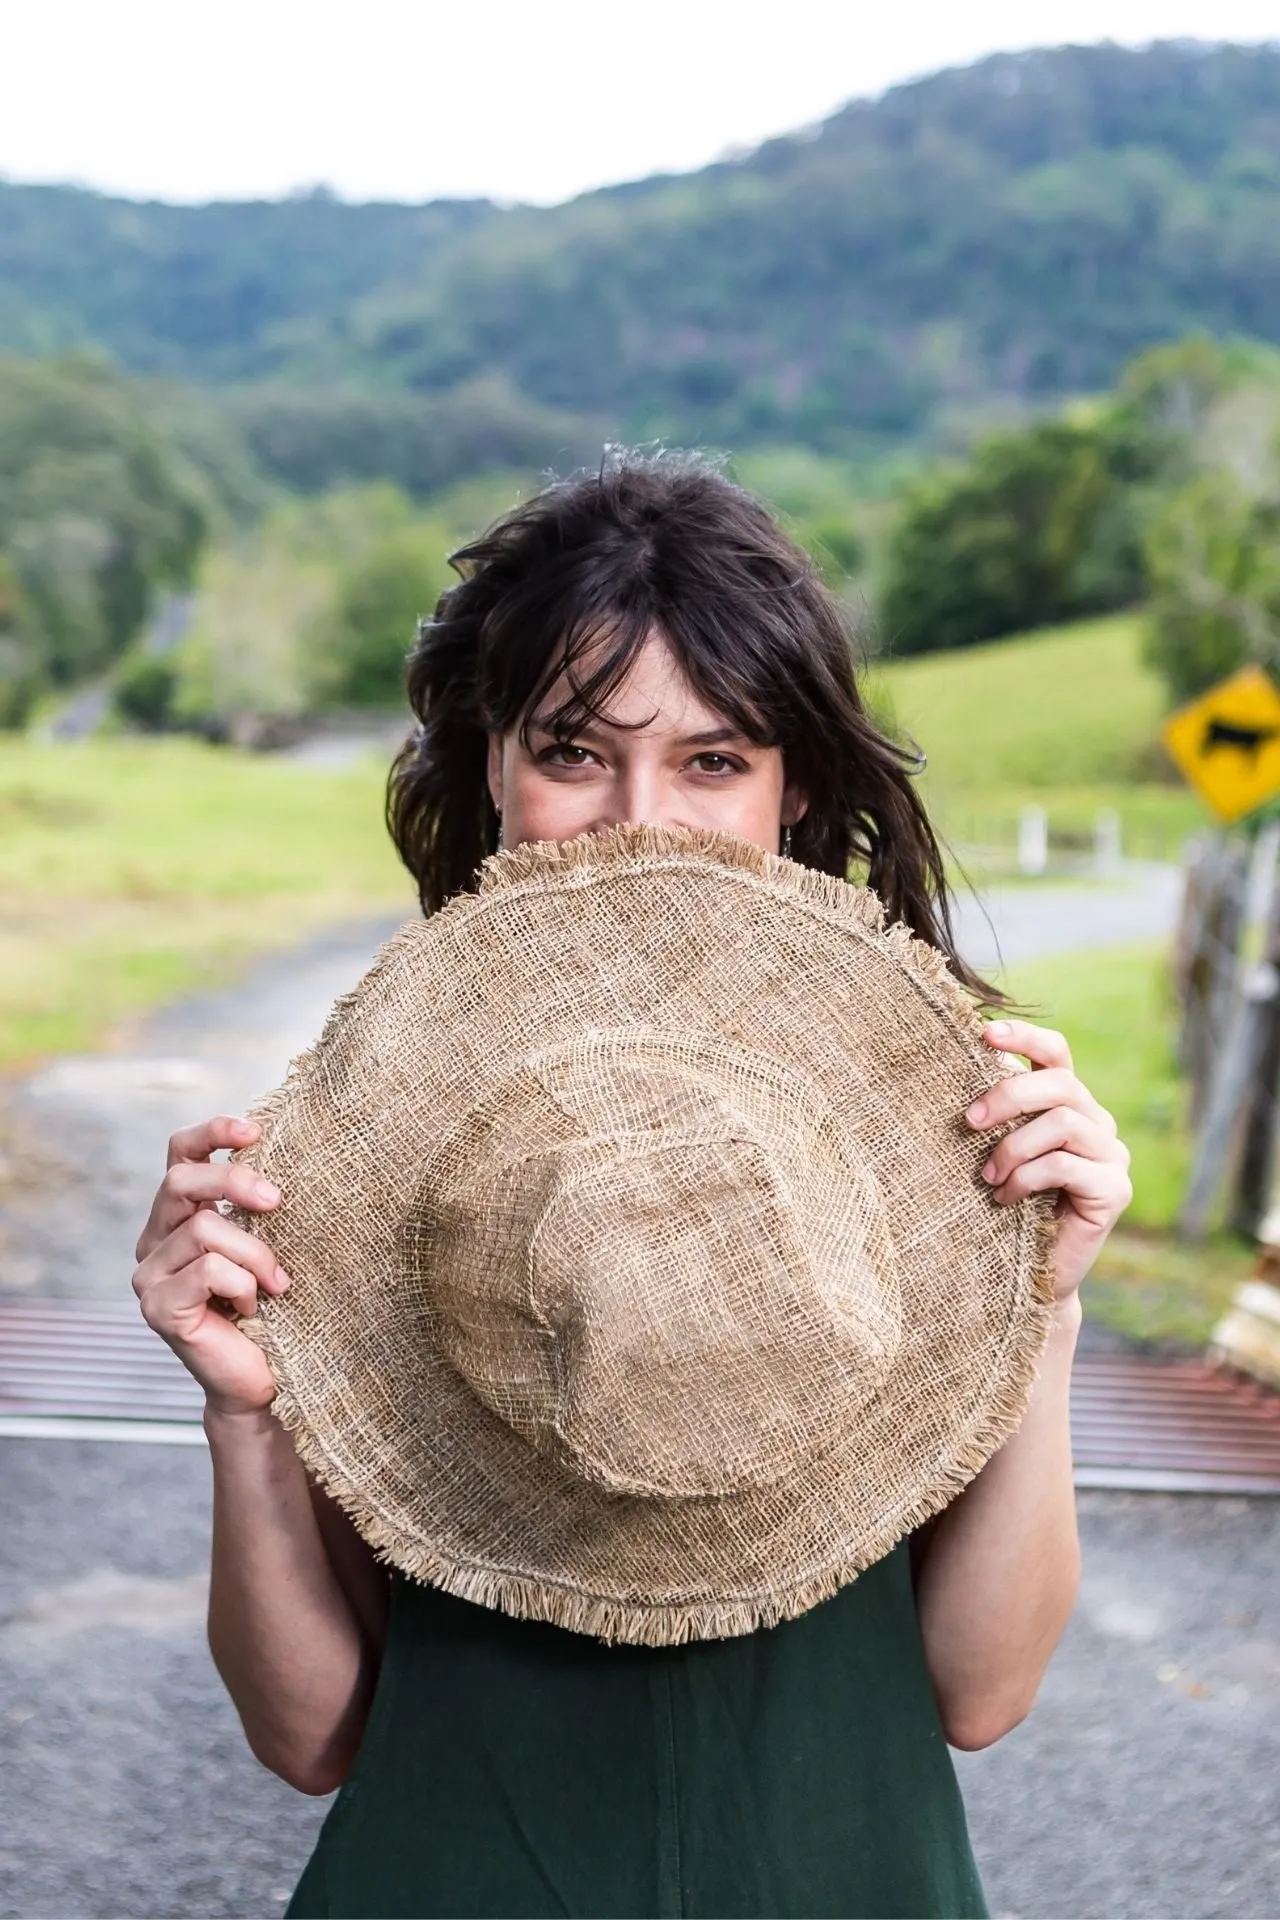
(795, 804)
(493, 771)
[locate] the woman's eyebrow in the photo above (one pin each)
(592, 730)
(713, 737)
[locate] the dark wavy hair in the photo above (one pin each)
(571, 583)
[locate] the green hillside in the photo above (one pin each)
(1067, 719)
(1012, 230)
(1074, 707)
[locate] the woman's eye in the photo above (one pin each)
(718, 763)
(564, 754)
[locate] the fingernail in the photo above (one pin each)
(989, 1171)
(242, 1126)
(977, 1113)
(264, 1190)
(282, 1278)
(998, 1029)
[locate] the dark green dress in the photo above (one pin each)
(515, 1769)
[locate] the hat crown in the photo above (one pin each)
(794, 1044)
(656, 1260)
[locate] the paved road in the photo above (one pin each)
(1144, 1783)
(128, 1789)
(88, 1132)
(1014, 923)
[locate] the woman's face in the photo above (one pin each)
(659, 755)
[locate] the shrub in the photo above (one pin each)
(144, 692)
(19, 673)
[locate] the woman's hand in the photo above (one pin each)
(193, 1264)
(1067, 1142)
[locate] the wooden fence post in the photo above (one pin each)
(1256, 1174)
(1234, 1070)
(1206, 953)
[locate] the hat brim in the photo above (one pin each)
(677, 933)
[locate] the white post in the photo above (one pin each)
(1033, 840)
(1106, 844)
(1262, 872)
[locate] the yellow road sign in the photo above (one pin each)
(1227, 743)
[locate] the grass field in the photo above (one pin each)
(131, 870)
(1116, 1009)
(1069, 719)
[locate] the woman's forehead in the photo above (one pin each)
(653, 695)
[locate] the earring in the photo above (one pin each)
(786, 843)
(498, 812)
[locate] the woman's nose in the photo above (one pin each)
(636, 798)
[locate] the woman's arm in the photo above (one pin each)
(297, 1646)
(297, 1603)
(996, 1574)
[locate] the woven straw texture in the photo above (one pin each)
(643, 1278)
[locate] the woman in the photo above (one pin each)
(640, 645)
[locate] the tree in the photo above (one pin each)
(1214, 558)
(143, 692)
(1212, 541)
(312, 439)
(19, 679)
(97, 510)
(314, 608)
(1038, 527)
(375, 619)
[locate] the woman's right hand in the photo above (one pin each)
(193, 1263)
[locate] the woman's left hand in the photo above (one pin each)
(1068, 1141)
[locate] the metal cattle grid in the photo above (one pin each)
(94, 1370)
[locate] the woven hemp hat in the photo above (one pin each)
(643, 1278)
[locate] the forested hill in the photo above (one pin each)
(1019, 227)
(225, 291)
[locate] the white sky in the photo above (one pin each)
(514, 99)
